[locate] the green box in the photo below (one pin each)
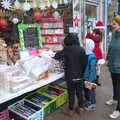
(61, 98)
(49, 107)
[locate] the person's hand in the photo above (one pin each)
(106, 62)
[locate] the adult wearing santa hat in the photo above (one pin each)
(97, 38)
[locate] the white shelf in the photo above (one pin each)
(9, 96)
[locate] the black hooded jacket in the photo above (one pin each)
(74, 58)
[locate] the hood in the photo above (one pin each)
(89, 47)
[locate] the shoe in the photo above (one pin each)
(79, 110)
(99, 84)
(115, 114)
(67, 111)
(111, 102)
(91, 107)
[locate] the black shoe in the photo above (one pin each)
(99, 84)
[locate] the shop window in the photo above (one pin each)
(91, 11)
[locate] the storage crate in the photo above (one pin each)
(4, 115)
(62, 85)
(56, 93)
(24, 110)
(48, 104)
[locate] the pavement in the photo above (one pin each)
(102, 111)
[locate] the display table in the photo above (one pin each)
(9, 96)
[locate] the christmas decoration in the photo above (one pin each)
(6, 4)
(65, 1)
(26, 6)
(42, 5)
(60, 2)
(34, 4)
(17, 4)
(3, 23)
(48, 3)
(15, 20)
(37, 16)
(56, 14)
(54, 4)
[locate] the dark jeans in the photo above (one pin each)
(90, 96)
(116, 88)
(75, 88)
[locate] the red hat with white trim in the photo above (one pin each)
(99, 25)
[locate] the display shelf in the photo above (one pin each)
(52, 28)
(6, 96)
(57, 43)
(51, 20)
(52, 34)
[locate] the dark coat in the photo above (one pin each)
(75, 62)
(114, 53)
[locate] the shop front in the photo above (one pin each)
(31, 32)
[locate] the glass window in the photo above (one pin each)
(91, 11)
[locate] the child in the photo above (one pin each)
(74, 65)
(90, 76)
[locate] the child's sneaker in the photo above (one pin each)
(110, 102)
(115, 114)
(91, 107)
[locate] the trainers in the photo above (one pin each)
(91, 107)
(111, 102)
(115, 115)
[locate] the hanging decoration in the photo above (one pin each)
(54, 4)
(37, 16)
(6, 4)
(17, 4)
(3, 23)
(60, 2)
(56, 15)
(65, 1)
(48, 3)
(34, 4)
(42, 5)
(26, 6)
(15, 20)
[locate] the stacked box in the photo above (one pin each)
(48, 104)
(24, 110)
(4, 115)
(62, 85)
(56, 93)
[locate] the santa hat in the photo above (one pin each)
(88, 35)
(99, 25)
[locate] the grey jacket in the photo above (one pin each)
(114, 53)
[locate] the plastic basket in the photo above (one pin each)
(60, 97)
(62, 85)
(24, 110)
(48, 107)
(4, 115)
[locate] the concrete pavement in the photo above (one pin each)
(102, 111)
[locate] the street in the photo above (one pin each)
(102, 111)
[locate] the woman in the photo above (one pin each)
(75, 63)
(97, 38)
(114, 65)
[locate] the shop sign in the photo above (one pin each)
(29, 35)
